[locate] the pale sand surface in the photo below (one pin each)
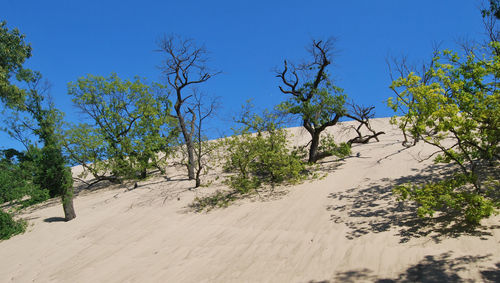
(346, 227)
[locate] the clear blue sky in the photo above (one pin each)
(247, 41)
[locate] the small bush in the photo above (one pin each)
(262, 159)
(256, 156)
(9, 227)
(330, 148)
(243, 185)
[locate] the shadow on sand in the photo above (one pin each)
(372, 208)
(54, 219)
(432, 268)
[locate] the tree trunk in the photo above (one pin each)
(144, 174)
(67, 201)
(313, 150)
(190, 151)
(198, 180)
(187, 139)
(200, 167)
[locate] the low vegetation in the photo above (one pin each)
(258, 157)
(10, 227)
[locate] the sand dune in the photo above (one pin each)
(346, 227)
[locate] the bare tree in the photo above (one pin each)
(203, 148)
(363, 114)
(491, 15)
(185, 64)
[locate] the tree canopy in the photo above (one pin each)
(13, 53)
(455, 107)
(129, 130)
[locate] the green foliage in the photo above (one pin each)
(30, 114)
(244, 185)
(49, 175)
(52, 173)
(329, 147)
(326, 102)
(13, 52)
(316, 100)
(494, 9)
(13, 181)
(455, 106)
(256, 157)
(263, 157)
(16, 178)
(461, 101)
(86, 147)
(131, 126)
(9, 227)
(450, 196)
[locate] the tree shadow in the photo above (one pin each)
(353, 276)
(91, 186)
(54, 219)
(130, 184)
(432, 268)
(372, 208)
(330, 164)
(439, 268)
(492, 274)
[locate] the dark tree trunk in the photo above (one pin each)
(67, 201)
(200, 165)
(198, 180)
(144, 174)
(364, 139)
(188, 138)
(313, 150)
(191, 164)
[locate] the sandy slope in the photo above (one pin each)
(344, 228)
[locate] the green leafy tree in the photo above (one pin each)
(51, 174)
(455, 107)
(130, 129)
(317, 101)
(13, 52)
